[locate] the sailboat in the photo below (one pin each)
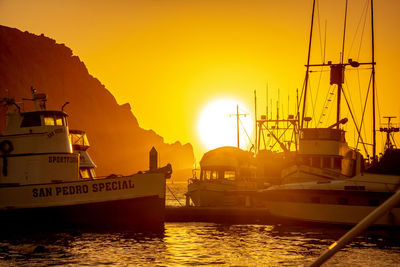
(332, 183)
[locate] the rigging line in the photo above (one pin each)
(269, 139)
(324, 106)
(241, 123)
(326, 102)
(312, 101)
(365, 106)
(319, 30)
(344, 32)
(278, 138)
(308, 65)
(350, 100)
(352, 116)
(362, 109)
(331, 108)
(174, 195)
(363, 30)
(316, 97)
(363, 14)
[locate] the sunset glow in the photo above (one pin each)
(168, 59)
(217, 124)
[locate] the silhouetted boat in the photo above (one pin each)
(227, 177)
(48, 182)
(331, 182)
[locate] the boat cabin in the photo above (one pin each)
(228, 163)
(35, 148)
(323, 152)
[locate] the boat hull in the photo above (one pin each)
(219, 194)
(134, 203)
(136, 214)
(317, 206)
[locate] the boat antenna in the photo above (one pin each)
(42, 98)
(307, 68)
(373, 85)
(237, 122)
(63, 106)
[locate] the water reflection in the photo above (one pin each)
(189, 244)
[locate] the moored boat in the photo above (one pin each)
(43, 184)
(227, 177)
(330, 182)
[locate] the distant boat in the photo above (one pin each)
(227, 177)
(47, 179)
(331, 182)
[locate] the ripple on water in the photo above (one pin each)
(192, 244)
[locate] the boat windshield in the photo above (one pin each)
(85, 173)
(218, 174)
(53, 120)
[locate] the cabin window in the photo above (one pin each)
(48, 120)
(210, 174)
(31, 120)
(53, 120)
(59, 120)
(84, 173)
(230, 175)
(213, 175)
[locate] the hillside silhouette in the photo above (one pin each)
(118, 144)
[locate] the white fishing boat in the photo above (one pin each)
(331, 182)
(44, 183)
(326, 195)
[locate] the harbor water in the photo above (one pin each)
(195, 243)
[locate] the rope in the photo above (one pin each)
(244, 129)
(174, 196)
(355, 123)
(363, 14)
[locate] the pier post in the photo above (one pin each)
(153, 161)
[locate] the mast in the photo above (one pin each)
(255, 121)
(339, 93)
(237, 124)
(373, 85)
(308, 63)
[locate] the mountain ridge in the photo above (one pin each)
(119, 145)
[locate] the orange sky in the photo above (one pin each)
(168, 59)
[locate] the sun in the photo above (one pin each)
(217, 124)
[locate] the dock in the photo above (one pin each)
(217, 214)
